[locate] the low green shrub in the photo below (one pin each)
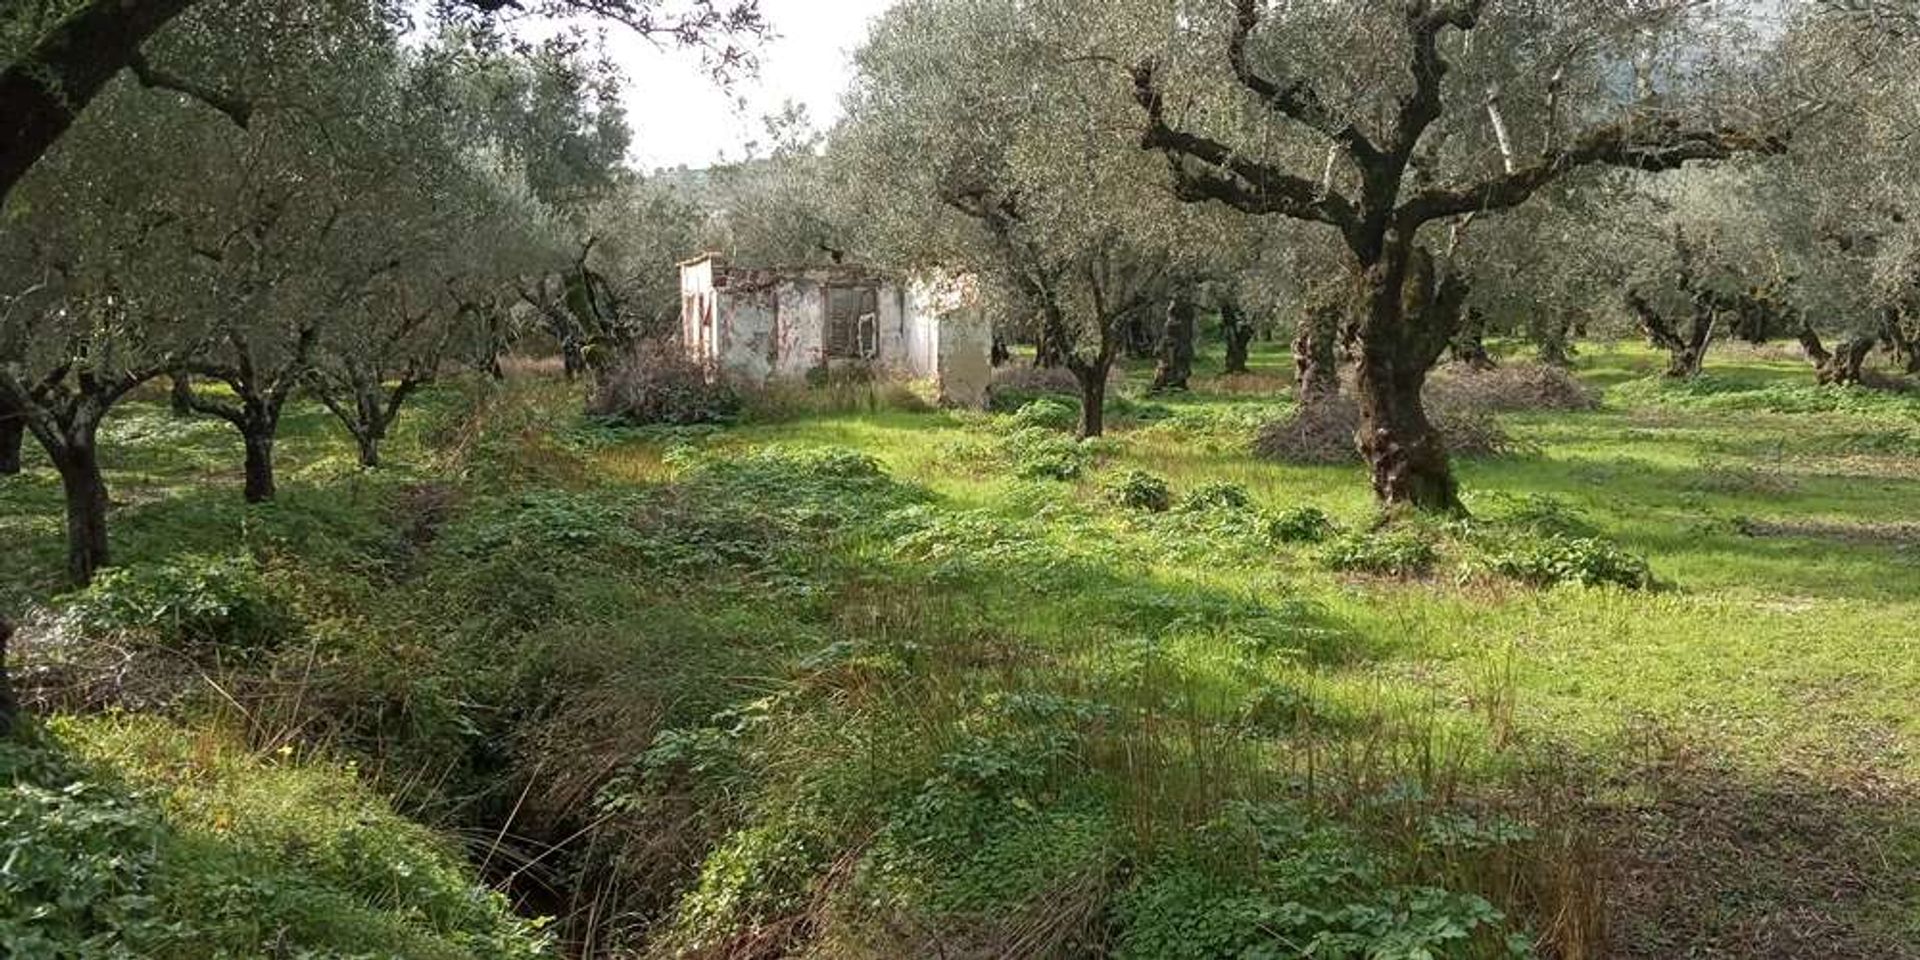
(1036, 453)
(1556, 559)
(1223, 495)
(1308, 888)
(1713, 392)
(194, 601)
(1543, 513)
(1051, 413)
(1302, 524)
(1399, 553)
(1140, 490)
(1016, 385)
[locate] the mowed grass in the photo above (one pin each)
(1743, 738)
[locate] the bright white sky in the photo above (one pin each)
(680, 116)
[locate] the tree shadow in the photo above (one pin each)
(1711, 861)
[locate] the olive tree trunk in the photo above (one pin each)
(1411, 314)
(1092, 378)
(257, 419)
(1316, 356)
(77, 458)
(1238, 329)
(1470, 347)
(1904, 346)
(260, 486)
(1686, 354)
(1175, 368)
(13, 432)
(1840, 366)
(180, 395)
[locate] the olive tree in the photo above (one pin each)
(1850, 196)
(57, 56)
(1423, 112)
(985, 147)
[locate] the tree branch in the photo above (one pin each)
(1419, 109)
(239, 110)
(1243, 184)
(1618, 144)
(1294, 97)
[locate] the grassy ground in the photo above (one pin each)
(738, 691)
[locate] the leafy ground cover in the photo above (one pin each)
(866, 679)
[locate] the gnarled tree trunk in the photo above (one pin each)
(1092, 378)
(1470, 346)
(180, 395)
(1238, 329)
(13, 432)
(368, 411)
(1139, 341)
(1048, 354)
(257, 419)
(1316, 361)
(1839, 366)
(1904, 346)
(259, 442)
(1412, 313)
(1685, 354)
(78, 461)
(1176, 346)
(1552, 340)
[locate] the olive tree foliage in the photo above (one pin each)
(449, 229)
(981, 142)
(1393, 122)
(639, 230)
(1851, 192)
(260, 259)
(553, 114)
(56, 56)
(277, 219)
(91, 294)
(784, 203)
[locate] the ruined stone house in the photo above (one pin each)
(756, 325)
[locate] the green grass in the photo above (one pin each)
(732, 687)
(131, 837)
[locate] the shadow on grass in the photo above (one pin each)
(1712, 862)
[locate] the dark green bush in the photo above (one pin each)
(1052, 413)
(1218, 495)
(1397, 553)
(192, 601)
(1140, 490)
(1303, 524)
(1036, 453)
(1556, 559)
